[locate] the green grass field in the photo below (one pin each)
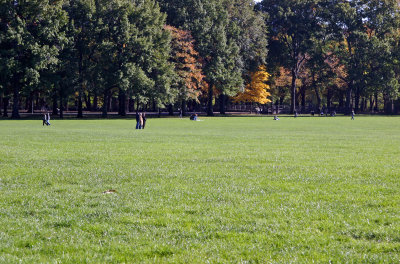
(225, 190)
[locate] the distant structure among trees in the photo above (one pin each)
(202, 55)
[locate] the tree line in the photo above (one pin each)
(167, 54)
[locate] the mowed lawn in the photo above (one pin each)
(224, 190)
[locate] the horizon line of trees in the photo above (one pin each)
(169, 54)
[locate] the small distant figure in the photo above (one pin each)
(295, 113)
(193, 117)
(352, 114)
(46, 119)
(144, 120)
(138, 126)
(312, 113)
(180, 113)
(141, 121)
(322, 113)
(333, 113)
(276, 117)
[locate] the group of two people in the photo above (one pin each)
(140, 120)
(46, 119)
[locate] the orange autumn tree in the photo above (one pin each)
(257, 90)
(187, 65)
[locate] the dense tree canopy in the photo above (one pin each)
(127, 55)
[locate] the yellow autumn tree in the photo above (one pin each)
(257, 90)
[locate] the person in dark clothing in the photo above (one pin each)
(48, 119)
(138, 126)
(144, 120)
(44, 119)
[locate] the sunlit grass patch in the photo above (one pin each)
(221, 190)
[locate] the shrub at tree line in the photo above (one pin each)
(146, 54)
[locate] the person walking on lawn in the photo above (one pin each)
(144, 119)
(48, 119)
(138, 121)
(44, 119)
(141, 121)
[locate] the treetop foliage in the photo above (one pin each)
(133, 54)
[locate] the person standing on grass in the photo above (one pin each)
(137, 120)
(352, 114)
(44, 119)
(144, 119)
(48, 119)
(140, 121)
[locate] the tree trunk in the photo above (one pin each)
(298, 94)
(357, 100)
(137, 104)
(396, 107)
(303, 99)
(348, 100)
(55, 106)
(61, 104)
(183, 107)
(210, 111)
(105, 103)
(222, 104)
(281, 99)
(170, 110)
(1, 103)
(114, 104)
(27, 103)
(121, 103)
(15, 112)
(131, 105)
(329, 99)
(6, 101)
(363, 103)
(31, 99)
(388, 104)
(376, 108)
(316, 92)
(80, 91)
(293, 92)
(80, 112)
(87, 101)
(341, 101)
(37, 105)
(154, 107)
(371, 103)
(95, 102)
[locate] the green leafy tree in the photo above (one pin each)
(30, 41)
(137, 46)
(292, 25)
(210, 26)
(81, 28)
(363, 28)
(187, 66)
